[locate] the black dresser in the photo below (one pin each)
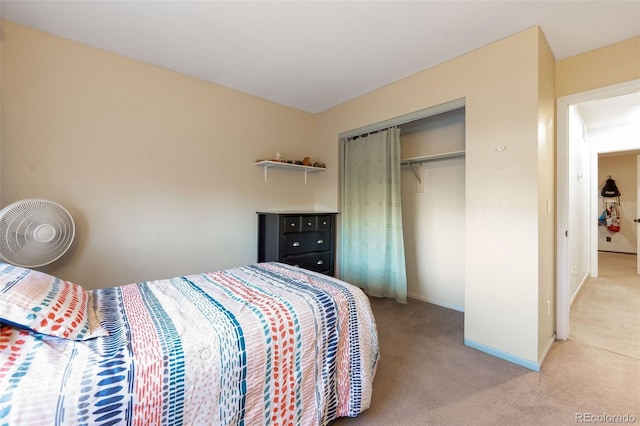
(304, 239)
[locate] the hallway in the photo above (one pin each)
(598, 369)
(606, 312)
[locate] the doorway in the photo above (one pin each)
(576, 165)
(622, 167)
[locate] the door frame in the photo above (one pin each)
(562, 195)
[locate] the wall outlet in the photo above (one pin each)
(608, 239)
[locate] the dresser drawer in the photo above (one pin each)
(305, 242)
(319, 262)
(309, 223)
(306, 223)
(323, 223)
(291, 224)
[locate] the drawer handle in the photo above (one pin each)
(308, 223)
(296, 244)
(324, 222)
(320, 262)
(320, 241)
(293, 224)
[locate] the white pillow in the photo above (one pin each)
(46, 304)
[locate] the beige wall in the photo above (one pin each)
(546, 198)
(609, 65)
(157, 168)
(502, 272)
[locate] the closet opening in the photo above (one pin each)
(432, 143)
(433, 207)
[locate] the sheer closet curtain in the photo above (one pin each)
(371, 239)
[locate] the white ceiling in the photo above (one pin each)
(617, 111)
(313, 55)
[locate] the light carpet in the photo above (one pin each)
(427, 376)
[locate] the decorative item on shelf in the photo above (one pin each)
(306, 161)
(291, 165)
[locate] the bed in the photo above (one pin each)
(265, 343)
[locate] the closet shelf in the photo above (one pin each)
(279, 165)
(433, 157)
(427, 158)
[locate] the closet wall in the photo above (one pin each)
(433, 212)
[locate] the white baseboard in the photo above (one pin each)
(532, 365)
(436, 302)
(547, 348)
(575, 294)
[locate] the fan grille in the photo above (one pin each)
(34, 232)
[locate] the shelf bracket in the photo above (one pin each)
(426, 158)
(266, 164)
(415, 173)
(267, 167)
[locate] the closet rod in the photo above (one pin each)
(434, 157)
(427, 158)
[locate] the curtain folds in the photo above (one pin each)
(372, 243)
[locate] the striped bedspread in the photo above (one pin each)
(260, 344)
